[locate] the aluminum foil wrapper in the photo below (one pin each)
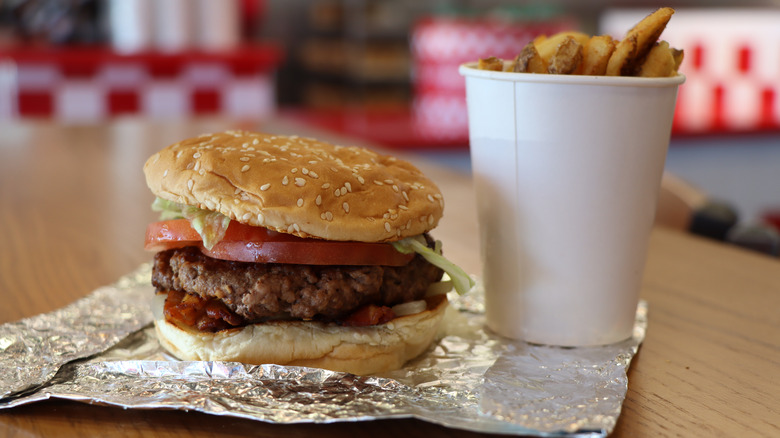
(102, 349)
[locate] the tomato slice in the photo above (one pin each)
(245, 243)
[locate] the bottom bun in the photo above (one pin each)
(356, 350)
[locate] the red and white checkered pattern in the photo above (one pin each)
(43, 91)
(94, 84)
(732, 66)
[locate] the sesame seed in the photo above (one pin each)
(395, 188)
(403, 207)
(328, 215)
(190, 183)
(326, 186)
(260, 218)
(297, 228)
(201, 172)
(165, 173)
(313, 174)
(430, 198)
(300, 182)
(337, 193)
(388, 181)
(386, 216)
(244, 159)
(318, 201)
(406, 195)
(290, 228)
(387, 227)
(430, 220)
(300, 202)
(305, 171)
(394, 216)
(265, 186)
(409, 224)
(246, 216)
(197, 165)
(360, 178)
(343, 191)
(379, 183)
(255, 141)
(196, 155)
(245, 168)
(294, 170)
(322, 216)
(285, 181)
(345, 206)
(348, 186)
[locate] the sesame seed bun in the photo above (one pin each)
(357, 350)
(298, 185)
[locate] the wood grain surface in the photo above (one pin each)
(74, 206)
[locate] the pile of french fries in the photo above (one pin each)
(575, 53)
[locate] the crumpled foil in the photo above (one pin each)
(102, 349)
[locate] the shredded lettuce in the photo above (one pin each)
(460, 279)
(210, 225)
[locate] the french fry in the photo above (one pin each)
(638, 42)
(679, 55)
(658, 63)
(549, 45)
(491, 63)
(624, 53)
(595, 55)
(529, 61)
(567, 57)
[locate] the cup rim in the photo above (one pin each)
(469, 69)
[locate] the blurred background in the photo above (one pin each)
(386, 71)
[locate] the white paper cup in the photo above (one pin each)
(567, 171)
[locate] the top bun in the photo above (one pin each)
(298, 185)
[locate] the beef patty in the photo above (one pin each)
(262, 291)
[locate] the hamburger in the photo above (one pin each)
(293, 251)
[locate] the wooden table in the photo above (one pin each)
(74, 206)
